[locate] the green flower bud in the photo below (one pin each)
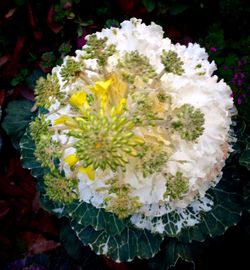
(172, 62)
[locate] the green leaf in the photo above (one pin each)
(20, 77)
(178, 8)
(215, 37)
(27, 147)
(127, 245)
(225, 212)
(18, 116)
(48, 59)
(172, 251)
(58, 209)
(0, 135)
(247, 197)
(86, 214)
(245, 158)
(111, 23)
(75, 247)
(170, 221)
(20, 2)
(33, 77)
(149, 5)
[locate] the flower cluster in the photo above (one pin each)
(133, 124)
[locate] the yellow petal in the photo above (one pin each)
(60, 120)
(100, 87)
(101, 91)
(104, 102)
(89, 171)
(118, 89)
(66, 120)
(103, 85)
(78, 99)
(121, 106)
(136, 141)
(71, 159)
(116, 111)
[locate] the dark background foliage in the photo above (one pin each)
(34, 37)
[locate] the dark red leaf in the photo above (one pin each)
(37, 33)
(15, 167)
(128, 6)
(81, 41)
(36, 203)
(4, 208)
(19, 45)
(52, 25)
(25, 92)
(12, 67)
(173, 33)
(115, 266)
(2, 97)
(67, 5)
(45, 223)
(36, 243)
(4, 240)
(10, 188)
(132, 7)
(4, 59)
(10, 13)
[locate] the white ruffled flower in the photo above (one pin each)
(143, 124)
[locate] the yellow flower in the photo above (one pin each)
(119, 109)
(66, 120)
(71, 159)
(89, 171)
(78, 99)
(118, 89)
(101, 91)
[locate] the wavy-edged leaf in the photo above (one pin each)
(18, 116)
(173, 250)
(0, 135)
(245, 158)
(57, 208)
(127, 245)
(170, 221)
(76, 249)
(177, 8)
(225, 212)
(86, 214)
(27, 147)
(149, 5)
(247, 197)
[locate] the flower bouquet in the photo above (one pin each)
(129, 141)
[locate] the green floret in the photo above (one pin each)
(97, 48)
(172, 63)
(176, 186)
(188, 122)
(70, 71)
(47, 90)
(134, 64)
(144, 114)
(153, 157)
(60, 189)
(46, 150)
(119, 200)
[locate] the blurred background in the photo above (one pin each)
(35, 35)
